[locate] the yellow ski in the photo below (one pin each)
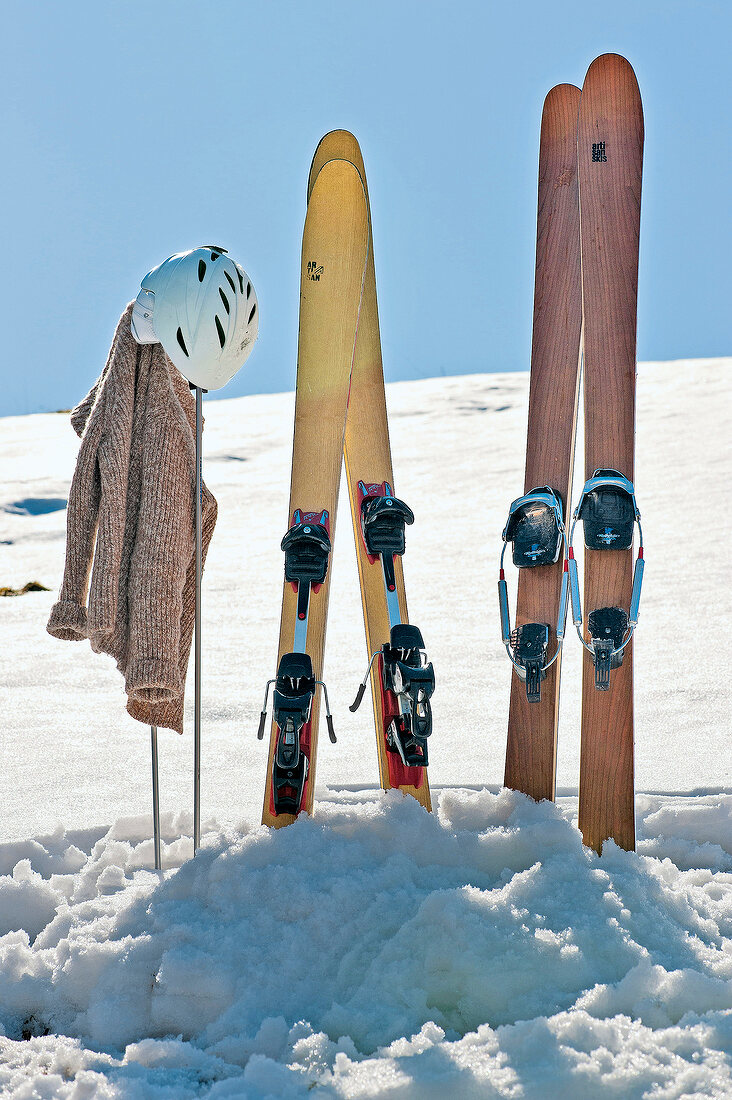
(380, 517)
(334, 252)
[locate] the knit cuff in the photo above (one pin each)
(165, 715)
(153, 681)
(67, 621)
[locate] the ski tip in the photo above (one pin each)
(561, 93)
(337, 227)
(611, 78)
(610, 67)
(612, 61)
(335, 145)
(339, 182)
(336, 138)
(559, 114)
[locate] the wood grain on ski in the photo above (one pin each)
(554, 381)
(610, 159)
(368, 458)
(334, 250)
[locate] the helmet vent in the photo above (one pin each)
(249, 290)
(220, 330)
(241, 281)
(231, 281)
(181, 341)
(201, 270)
(215, 255)
(225, 300)
(254, 310)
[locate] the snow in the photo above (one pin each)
(373, 950)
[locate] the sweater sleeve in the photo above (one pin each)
(91, 418)
(164, 546)
(68, 617)
(114, 466)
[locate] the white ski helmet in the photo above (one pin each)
(201, 306)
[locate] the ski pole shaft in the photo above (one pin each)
(155, 797)
(197, 652)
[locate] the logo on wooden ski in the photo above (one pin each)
(598, 152)
(315, 270)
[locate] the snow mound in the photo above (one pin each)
(374, 950)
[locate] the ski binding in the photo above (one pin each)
(529, 644)
(410, 678)
(292, 701)
(607, 627)
(307, 551)
(383, 520)
(535, 527)
(609, 511)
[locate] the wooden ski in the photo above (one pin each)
(553, 388)
(334, 252)
(610, 158)
(369, 470)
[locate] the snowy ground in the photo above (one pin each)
(374, 950)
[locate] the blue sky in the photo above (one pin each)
(134, 130)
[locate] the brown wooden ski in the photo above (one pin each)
(610, 158)
(553, 387)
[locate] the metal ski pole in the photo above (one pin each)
(155, 797)
(196, 790)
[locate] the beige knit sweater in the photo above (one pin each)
(130, 525)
